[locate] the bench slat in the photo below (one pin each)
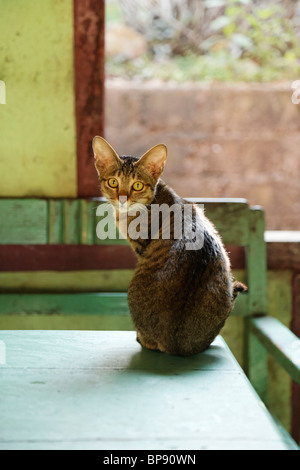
(74, 221)
(23, 221)
(65, 304)
(280, 342)
(79, 303)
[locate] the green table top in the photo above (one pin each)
(100, 390)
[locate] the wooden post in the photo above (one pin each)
(255, 355)
(296, 387)
(89, 30)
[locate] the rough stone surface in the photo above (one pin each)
(224, 140)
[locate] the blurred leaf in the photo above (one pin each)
(214, 3)
(229, 30)
(290, 56)
(252, 20)
(244, 2)
(233, 11)
(242, 41)
(265, 13)
(208, 43)
(220, 23)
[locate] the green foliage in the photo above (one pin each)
(247, 41)
(220, 66)
(261, 33)
(112, 12)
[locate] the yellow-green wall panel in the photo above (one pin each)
(37, 123)
(110, 280)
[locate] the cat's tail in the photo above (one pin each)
(237, 288)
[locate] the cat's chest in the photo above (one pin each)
(134, 228)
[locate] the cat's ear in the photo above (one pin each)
(105, 155)
(153, 161)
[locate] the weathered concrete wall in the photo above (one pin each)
(224, 140)
(37, 123)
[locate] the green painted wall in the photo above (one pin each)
(37, 123)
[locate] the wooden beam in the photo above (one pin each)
(94, 280)
(65, 257)
(65, 304)
(89, 29)
(10, 253)
(296, 387)
(284, 255)
(280, 342)
(296, 305)
(229, 215)
(255, 356)
(62, 257)
(257, 264)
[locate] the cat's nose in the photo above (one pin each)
(122, 200)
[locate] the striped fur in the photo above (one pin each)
(179, 298)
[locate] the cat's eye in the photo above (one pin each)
(113, 183)
(138, 186)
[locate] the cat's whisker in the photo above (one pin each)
(137, 207)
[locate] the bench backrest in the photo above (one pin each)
(51, 245)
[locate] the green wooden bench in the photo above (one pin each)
(98, 389)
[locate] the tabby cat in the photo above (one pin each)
(180, 295)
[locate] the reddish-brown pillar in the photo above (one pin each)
(89, 60)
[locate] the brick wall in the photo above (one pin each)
(224, 140)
